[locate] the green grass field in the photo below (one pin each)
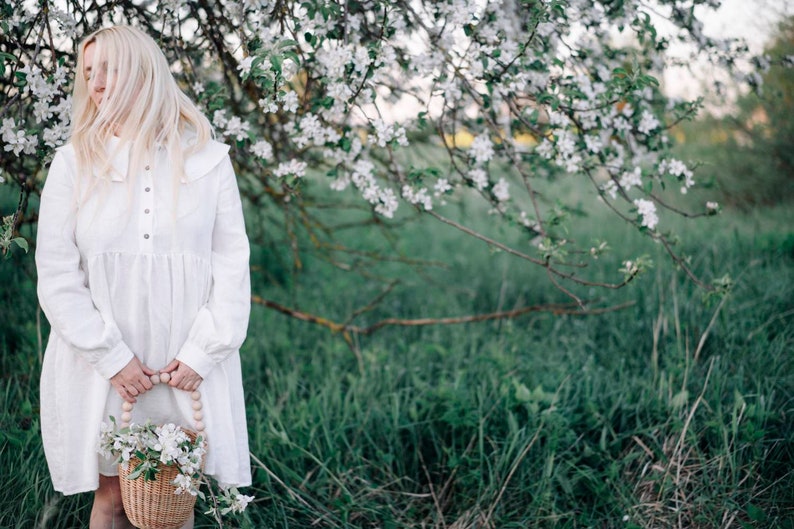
(671, 413)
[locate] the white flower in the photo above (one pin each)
(678, 169)
(387, 203)
(16, 140)
(311, 130)
(630, 268)
(219, 118)
(546, 149)
(593, 143)
(441, 187)
(66, 22)
(712, 207)
(262, 149)
(289, 101)
(647, 210)
(237, 128)
(479, 178)
(293, 167)
(245, 66)
(501, 191)
(628, 180)
(241, 501)
(481, 149)
(386, 133)
(268, 106)
(198, 88)
(56, 135)
(648, 122)
(417, 197)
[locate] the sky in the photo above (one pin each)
(752, 20)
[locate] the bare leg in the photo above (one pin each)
(108, 512)
(189, 523)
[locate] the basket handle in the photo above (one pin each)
(195, 395)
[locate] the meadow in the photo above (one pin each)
(672, 412)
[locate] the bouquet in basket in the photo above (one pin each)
(148, 447)
(146, 451)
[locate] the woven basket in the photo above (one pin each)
(153, 504)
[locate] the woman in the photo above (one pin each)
(142, 260)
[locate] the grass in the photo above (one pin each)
(671, 413)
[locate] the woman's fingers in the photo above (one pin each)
(174, 364)
(185, 378)
(147, 371)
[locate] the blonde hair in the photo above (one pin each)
(142, 105)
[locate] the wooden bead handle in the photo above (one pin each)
(198, 416)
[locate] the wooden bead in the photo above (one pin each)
(197, 415)
(199, 426)
(196, 405)
(126, 406)
(125, 425)
(126, 416)
(196, 395)
(155, 379)
(165, 377)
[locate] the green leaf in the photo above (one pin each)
(136, 472)
(21, 242)
(680, 399)
(755, 513)
(522, 392)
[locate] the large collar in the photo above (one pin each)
(197, 164)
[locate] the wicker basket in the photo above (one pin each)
(153, 504)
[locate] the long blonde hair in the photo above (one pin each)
(142, 105)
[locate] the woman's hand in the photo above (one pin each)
(132, 380)
(182, 376)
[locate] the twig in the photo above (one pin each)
(346, 330)
(705, 334)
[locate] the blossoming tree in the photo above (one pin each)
(325, 97)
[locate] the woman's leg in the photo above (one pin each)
(189, 523)
(108, 512)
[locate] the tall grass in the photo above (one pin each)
(674, 412)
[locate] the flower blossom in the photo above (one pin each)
(481, 149)
(293, 167)
(241, 501)
(417, 197)
(631, 179)
(262, 149)
(479, 178)
(647, 210)
(648, 123)
(387, 132)
(289, 101)
(501, 191)
(441, 187)
(245, 66)
(237, 128)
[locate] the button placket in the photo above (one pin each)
(146, 216)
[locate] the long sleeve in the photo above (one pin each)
(221, 324)
(62, 285)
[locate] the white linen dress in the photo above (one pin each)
(150, 268)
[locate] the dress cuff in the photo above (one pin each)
(199, 361)
(114, 360)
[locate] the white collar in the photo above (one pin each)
(197, 165)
